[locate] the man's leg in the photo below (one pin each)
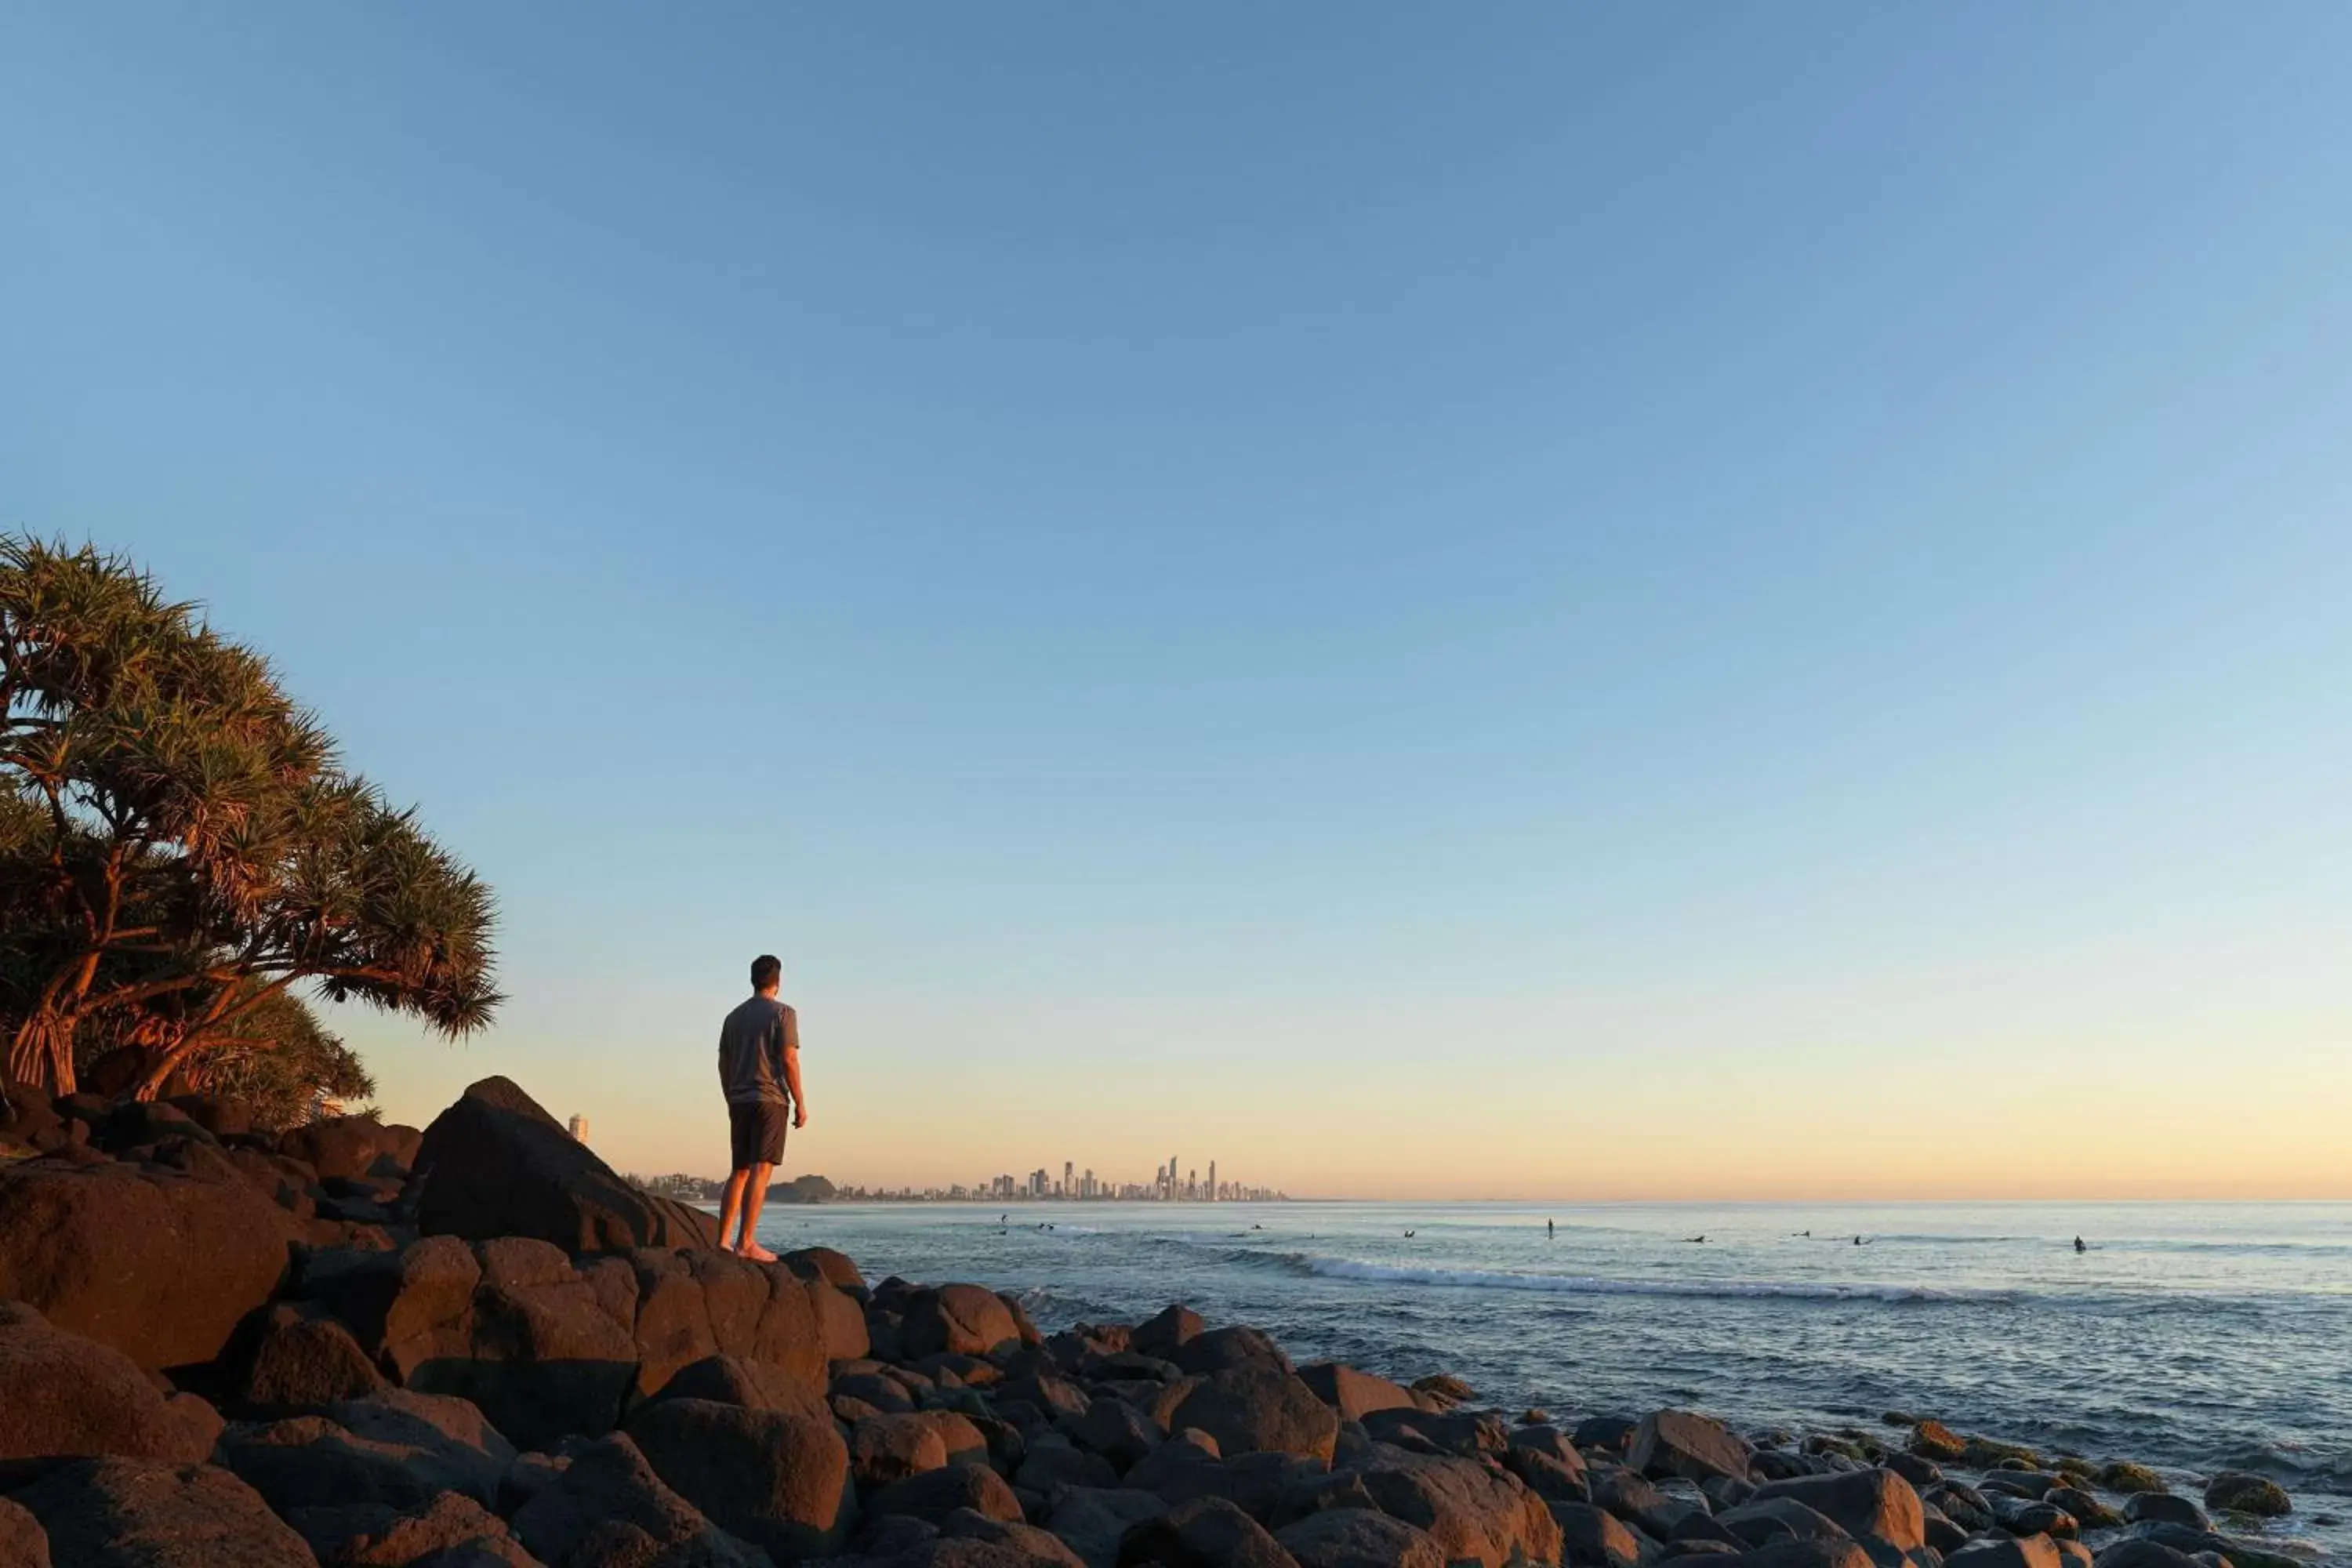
(729, 1206)
(755, 1198)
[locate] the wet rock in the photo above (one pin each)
(2024, 1516)
(63, 1393)
(605, 1506)
(1934, 1440)
(2124, 1476)
(147, 1513)
(1610, 1433)
(1681, 1443)
(162, 1267)
(2237, 1491)
(1258, 1407)
(496, 1165)
(2020, 1552)
(1354, 1395)
(2088, 1511)
(2163, 1508)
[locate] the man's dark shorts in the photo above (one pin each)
(755, 1132)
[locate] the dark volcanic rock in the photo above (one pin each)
(2022, 1551)
(1354, 1395)
(777, 1479)
(607, 1507)
(1258, 1407)
(697, 1302)
(536, 1350)
(346, 1148)
(62, 1394)
(399, 1460)
(1092, 1522)
(935, 1494)
(1680, 1443)
(1207, 1534)
(1160, 1336)
(2163, 1508)
(145, 1513)
(289, 1358)
(495, 1163)
(1543, 1457)
(1220, 1349)
(1358, 1538)
(1593, 1538)
(451, 1532)
(1470, 1510)
(734, 1380)
(1116, 1430)
(161, 1266)
(967, 1319)
(1875, 1506)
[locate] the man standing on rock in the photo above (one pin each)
(760, 1071)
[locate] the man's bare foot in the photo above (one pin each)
(755, 1252)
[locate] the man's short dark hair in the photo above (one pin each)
(766, 971)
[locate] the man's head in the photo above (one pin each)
(767, 974)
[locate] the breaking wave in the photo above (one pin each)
(1323, 1267)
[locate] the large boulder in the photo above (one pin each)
(736, 1380)
(1876, 1507)
(146, 1513)
(535, 1348)
(62, 1394)
(605, 1505)
(886, 1448)
(1354, 1395)
(1220, 1348)
(1594, 1538)
(1470, 1510)
(964, 1319)
(404, 1306)
(2021, 1552)
(1358, 1538)
(1256, 1408)
(777, 1479)
(161, 1266)
(495, 1163)
(699, 1303)
(840, 1322)
(2237, 1491)
(1208, 1533)
(935, 1494)
(1162, 1334)
(1681, 1443)
(834, 1268)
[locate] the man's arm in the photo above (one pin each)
(793, 1068)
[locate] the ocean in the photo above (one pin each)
(2191, 1337)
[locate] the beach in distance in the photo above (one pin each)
(2193, 1337)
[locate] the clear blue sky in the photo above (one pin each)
(1418, 599)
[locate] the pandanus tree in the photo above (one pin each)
(181, 847)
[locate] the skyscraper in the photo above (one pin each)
(578, 1128)
(1213, 1180)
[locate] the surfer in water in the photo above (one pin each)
(1551, 1229)
(2079, 1246)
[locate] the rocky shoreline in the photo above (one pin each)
(473, 1344)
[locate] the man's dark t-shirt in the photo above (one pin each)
(752, 1053)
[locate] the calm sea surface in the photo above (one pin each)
(2191, 1336)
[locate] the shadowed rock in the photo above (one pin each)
(145, 1513)
(1358, 1538)
(496, 1165)
(63, 1393)
(605, 1504)
(777, 1479)
(1259, 1407)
